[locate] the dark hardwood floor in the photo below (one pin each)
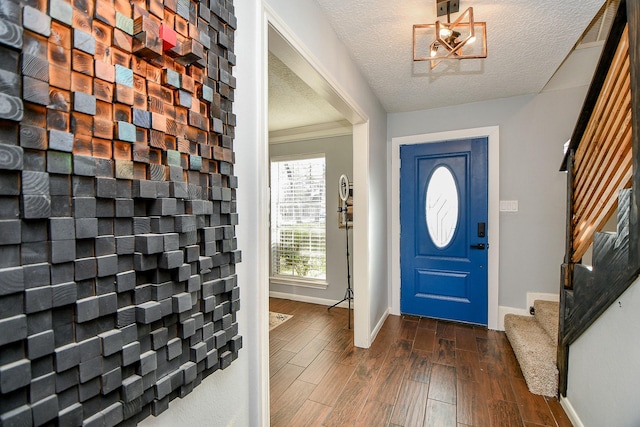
(418, 372)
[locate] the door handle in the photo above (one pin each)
(480, 246)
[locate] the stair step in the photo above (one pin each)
(536, 353)
(547, 314)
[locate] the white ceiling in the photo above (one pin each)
(292, 103)
(527, 41)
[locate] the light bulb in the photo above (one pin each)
(445, 32)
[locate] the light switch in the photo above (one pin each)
(508, 206)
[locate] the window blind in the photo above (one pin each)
(298, 217)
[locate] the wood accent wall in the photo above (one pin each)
(118, 250)
(603, 160)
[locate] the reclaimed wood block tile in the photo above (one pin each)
(170, 78)
(35, 67)
(82, 62)
(124, 23)
(121, 112)
(59, 100)
(36, 21)
(82, 124)
(11, 10)
(141, 118)
(81, 20)
(123, 41)
(105, 71)
(84, 103)
(140, 84)
(84, 41)
(168, 36)
(125, 131)
(11, 157)
(139, 66)
(36, 206)
(11, 107)
(81, 83)
(124, 76)
(103, 91)
(102, 33)
(124, 94)
(59, 77)
(81, 145)
(33, 90)
(103, 128)
(60, 35)
(58, 120)
(34, 115)
(105, 12)
(33, 137)
(102, 148)
(59, 162)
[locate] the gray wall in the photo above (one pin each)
(339, 157)
(604, 366)
(533, 129)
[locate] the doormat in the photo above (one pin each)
(277, 319)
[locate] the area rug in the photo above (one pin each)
(277, 319)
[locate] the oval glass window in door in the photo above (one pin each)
(441, 209)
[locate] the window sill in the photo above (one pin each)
(299, 282)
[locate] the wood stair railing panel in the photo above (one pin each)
(603, 160)
(603, 157)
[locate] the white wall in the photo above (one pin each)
(533, 129)
(305, 20)
(604, 366)
(339, 160)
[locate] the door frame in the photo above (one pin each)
(288, 47)
(492, 134)
(276, 34)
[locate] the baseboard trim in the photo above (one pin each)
(304, 298)
(375, 331)
(571, 412)
(504, 310)
(532, 296)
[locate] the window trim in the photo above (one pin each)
(301, 282)
(298, 281)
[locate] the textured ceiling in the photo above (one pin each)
(527, 41)
(293, 104)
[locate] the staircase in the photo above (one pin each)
(534, 341)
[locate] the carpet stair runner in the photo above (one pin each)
(534, 341)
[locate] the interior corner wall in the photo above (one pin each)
(306, 20)
(533, 129)
(603, 378)
(338, 153)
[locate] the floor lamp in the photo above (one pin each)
(343, 190)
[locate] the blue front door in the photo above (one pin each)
(443, 226)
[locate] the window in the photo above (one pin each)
(298, 218)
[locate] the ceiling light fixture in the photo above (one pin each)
(461, 39)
